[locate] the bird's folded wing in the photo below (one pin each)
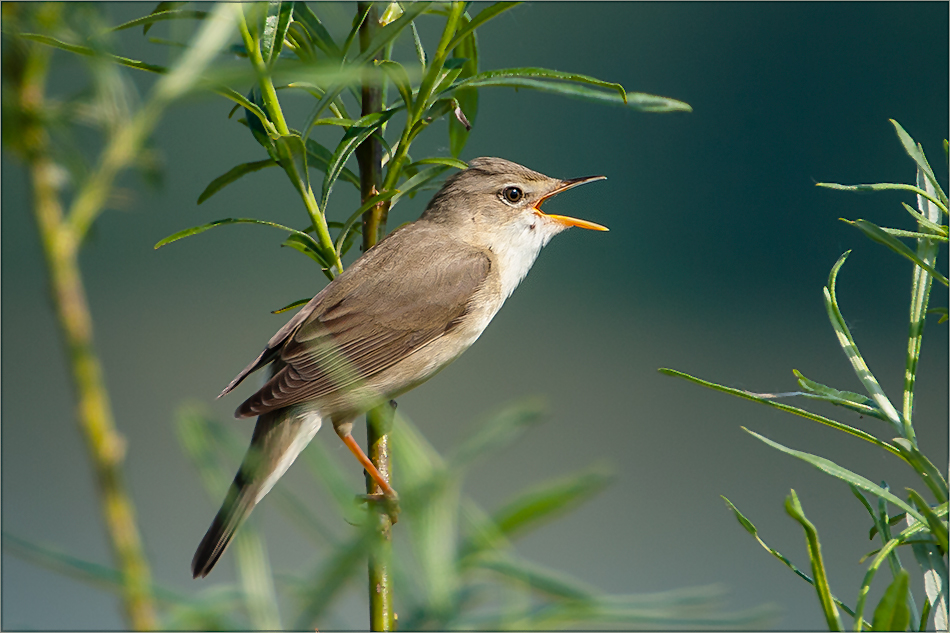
(383, 309)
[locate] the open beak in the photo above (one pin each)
(563, 219)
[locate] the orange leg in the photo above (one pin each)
(367, 465)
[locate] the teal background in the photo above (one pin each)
(719, 247)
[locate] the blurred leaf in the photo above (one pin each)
(320, 157)
(881, 236)
(500, 431)
(279, 16)
(90, 52)
(892, 613)
(348, 144)
(159, 15)
(233, 174)
(790, 409)
(543, 502)
(318, 33)
(292, 157)
(829, 467)
(794, 509)
(483, 16)
(552, 582)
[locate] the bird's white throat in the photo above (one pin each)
(517, 245)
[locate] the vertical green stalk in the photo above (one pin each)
(60, 242)
(378, 420)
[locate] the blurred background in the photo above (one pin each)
(718, 249)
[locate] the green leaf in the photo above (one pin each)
(90, 52)
(937, 527)
(157, 16)
(551, 582)
(355, 135)
(861, 369)
(938, 230)
(233, 174)
(808, 415)
(467, 98)
(420, 51)
(204, 227)
(488, 77)
(501, 430)
(397, 73)
(439, 160)
(892, 613)
(794, 509)
(418, 181)
(829, 467)
(913, 150)
(392, 30)
(276, 23)
(320, 157)
(881, 236)
(885, 186)
(929, 473)
(306, 247)
(751, 529)
(483, 16)
(847, 399)
(290, 306)
(318, 33)
(531, 508)
(293, 159)
(343, 240)
(262, 129)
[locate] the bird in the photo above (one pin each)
(404, 310)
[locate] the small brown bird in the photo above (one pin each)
(400, 313)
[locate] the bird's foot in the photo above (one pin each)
(388, 503)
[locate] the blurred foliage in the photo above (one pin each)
(926, 531)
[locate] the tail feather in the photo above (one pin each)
(237, 506)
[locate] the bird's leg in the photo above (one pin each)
(389, 496)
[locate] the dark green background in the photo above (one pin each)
(719, 246)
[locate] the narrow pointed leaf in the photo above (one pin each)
(318, 33)
(195, 230)
(892, 613)
(319, 157)
(483, 16)
(882, 237)
(929, 473)
(847, 399)
(466, 109)
(574, 79)
(938, 229)
(751, 529)
(290, 306)
(89, 52)
(440, 160)
(829, 467)
(794, 509)
(392, 30)
(885, 186)
(355, 135)
(343, 239)
(397, 73)
(808, 415)
(418, 181)
(306, 247)
(147, 21)
(913, 150)
(499, 431)
(937, 527)
(233, 174)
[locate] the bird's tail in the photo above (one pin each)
(278, 438)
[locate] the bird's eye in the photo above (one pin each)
(513, 194)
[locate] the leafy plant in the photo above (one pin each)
(926, 521)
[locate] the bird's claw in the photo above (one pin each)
(389, 503)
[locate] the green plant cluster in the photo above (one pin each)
(925, 530)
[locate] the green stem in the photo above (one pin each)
(60, 241)
(422, 96)
(268, 92)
